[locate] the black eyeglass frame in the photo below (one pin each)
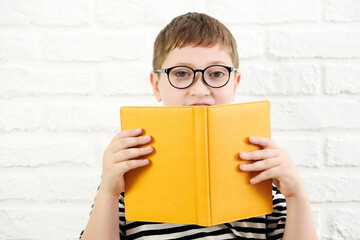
(167, 71)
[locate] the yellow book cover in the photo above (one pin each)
(193, 176)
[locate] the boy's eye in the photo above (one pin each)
(182, 74)
(217, 74)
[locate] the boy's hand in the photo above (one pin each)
(119, 158)
(274, 163)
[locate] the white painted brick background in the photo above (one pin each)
(66, 67)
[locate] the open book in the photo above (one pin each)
(193, 176)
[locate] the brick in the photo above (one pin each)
(332, 187)
(19, 187)
(343, 151)
(31, 150)
(64, 13)
(315, 43)
(128, 44)
(282, 79)
(43, 12)
(47, 13)
(127, 79)
(70, 187)
(341, 10)
(262, 11)
(315, 115)
(83, 117)
(91, 45)
(15, 116)
(128, 13)
(20, 46)
(73, 46)
(295, 147)
(16, 12)
(343, 223)
(250, 43)
(41, 224)
(94, 115)
(19, 82)
(342, 79)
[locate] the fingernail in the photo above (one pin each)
(148, 148)
(244, 155)
(252, 139)
(147, 137)
(146, 161)
(252, 181)
(244, 166)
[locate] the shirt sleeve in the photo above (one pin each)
(122, 220)
(275, 222)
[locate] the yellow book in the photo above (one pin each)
(193, 176)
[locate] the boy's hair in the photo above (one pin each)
(197, 29)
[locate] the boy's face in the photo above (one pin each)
(198, 92)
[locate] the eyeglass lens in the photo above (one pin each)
(214, 76)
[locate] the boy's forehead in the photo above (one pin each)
(198, 56)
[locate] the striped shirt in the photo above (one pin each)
(269, 226)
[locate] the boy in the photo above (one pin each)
(195, 63)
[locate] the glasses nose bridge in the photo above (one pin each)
(202, 71)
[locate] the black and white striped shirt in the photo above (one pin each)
(269, 226)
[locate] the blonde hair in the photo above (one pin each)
(197, 29)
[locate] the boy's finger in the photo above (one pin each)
(132, 153)
(125, 143)
(127, 133)
(131, 164)
(263, 142)
(272, 173)
(258, 154)
(260, 165)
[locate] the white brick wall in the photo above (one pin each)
(64, 73)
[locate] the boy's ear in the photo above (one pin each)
(155, 85)
(237, 81)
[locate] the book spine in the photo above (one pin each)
(202, 166)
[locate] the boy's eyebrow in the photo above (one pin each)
(191, 65)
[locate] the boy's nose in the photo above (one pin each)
(199, 87)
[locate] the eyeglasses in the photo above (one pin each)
(215, 76)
